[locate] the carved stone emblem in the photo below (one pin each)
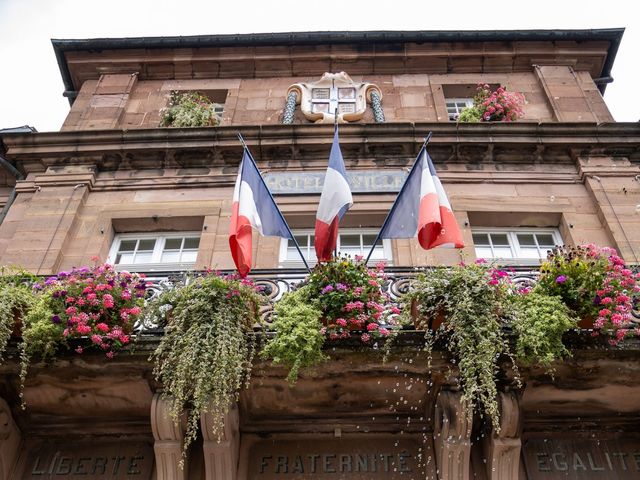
(334, 93)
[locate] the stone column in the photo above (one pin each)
(502, 450)
(451, 437)
(168, 442)
(9, 442)
(43, 218)
(221, 453)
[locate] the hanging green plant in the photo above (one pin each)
(206, 352)
(341, 299)
(539, 322)
(16, 298)
(473, 299)
(299, 340)
(190, 109)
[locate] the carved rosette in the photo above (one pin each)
(334, 94)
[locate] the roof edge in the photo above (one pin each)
(60, 46)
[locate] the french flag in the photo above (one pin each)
(253, 207)
(335, 200)
(422, 209)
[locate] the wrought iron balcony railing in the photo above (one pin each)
(276, 282)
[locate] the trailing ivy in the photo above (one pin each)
(16, 298)
(473, 299)
(205, 355)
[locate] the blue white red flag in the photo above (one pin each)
(422, 209)
(253, 207)
(335, 200)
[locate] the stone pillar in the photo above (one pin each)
(9, 442)
(502, 450)
(45, 215)
(451, 437)
(221, 453)
(565, 94)
(168, 442)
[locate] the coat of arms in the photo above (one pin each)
(335, 94)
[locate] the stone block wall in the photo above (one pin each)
(552, 93)
(60, 226)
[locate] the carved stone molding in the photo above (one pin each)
(451, 437)
(502, 450)
(168, 441)
(221, 454)
(9, 441)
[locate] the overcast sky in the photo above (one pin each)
(31, 85)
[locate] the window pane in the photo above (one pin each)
(499, 239)
(502, 252)
(545, 240)
(192, 242)
(482, 252)
(368, 239)
(143, 257)
(147, 244)
(526, 239)
(302, 240)
(124, 258)
(170, 257)
(173, 244)
(189, 256)
(349, 241)
(127, 245)
(481, 239)
(529, 253)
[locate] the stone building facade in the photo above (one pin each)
(566, 171)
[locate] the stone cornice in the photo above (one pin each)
(313, 53)
(305, 145)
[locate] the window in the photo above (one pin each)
(350, 241)
(155, 251)
(522, 245)
(456, 105)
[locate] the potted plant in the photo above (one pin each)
(94, 307)
(474, 298)
(539, 322)
(493, 106)
(189, 109)
(206, 352)
(595, 283)
(341, 299)
(16, 297)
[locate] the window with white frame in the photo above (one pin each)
(155, 251)
(350, 242)
(456, 105)
(520, 245)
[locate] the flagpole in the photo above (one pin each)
(244, 145)
(335, 130)
(395, 203)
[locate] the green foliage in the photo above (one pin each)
(470, 115)
(539, 323)
(41, 337)
(189, 109)
(204, 356)
(16, 298)
(298, 342)
(473, 298)
(575, 275)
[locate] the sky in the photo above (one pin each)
(31, 86)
